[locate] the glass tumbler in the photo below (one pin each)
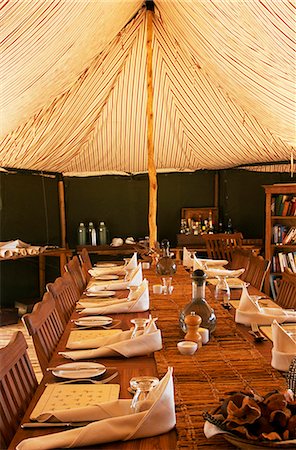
(139, 324)
(222, 291)
(141, 386)
(166, 285)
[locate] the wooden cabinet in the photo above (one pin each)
(280, 223)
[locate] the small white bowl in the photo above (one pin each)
(187, 347)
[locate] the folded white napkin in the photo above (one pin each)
(100, 271)
(187, 258)
(10, 245)
(137, 301)
(145, 342)
(212, 272)
(284, 347)
(249, 312)
(134, 277)
(132, 263)
(207, 263)
(113, 421)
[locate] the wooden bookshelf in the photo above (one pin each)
(280, 219)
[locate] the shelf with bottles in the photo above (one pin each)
(92, 235)
(196, 221)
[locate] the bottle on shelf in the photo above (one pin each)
(210, 223)
(92, 235)
(81, 234)
(166, 265)
(198, 304)
(103, 233)
(229, 229)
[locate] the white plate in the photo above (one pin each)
(80, 370)
(103, 265)
(93, 321)
(107, 277)
(101, 294)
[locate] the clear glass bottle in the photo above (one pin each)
(81, 234)
(166, 265)
(198, 304)
(92, 236)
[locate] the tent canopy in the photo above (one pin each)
(73, 85)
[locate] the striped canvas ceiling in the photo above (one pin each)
(73, 84)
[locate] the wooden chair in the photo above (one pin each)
(256, 271)
(286, 297)
(17, 383)
(66, 295)
(85, 272)
(84, 258)
(221, 245)
(240, 259)
(74, 269)
(45, 327)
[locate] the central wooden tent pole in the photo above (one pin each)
(151, 163)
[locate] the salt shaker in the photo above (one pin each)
(193, 322)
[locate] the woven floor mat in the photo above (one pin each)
(227, 363)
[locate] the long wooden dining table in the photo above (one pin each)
(231, 361)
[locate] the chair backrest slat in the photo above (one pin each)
(45, 327)
(74, 269)
(257, 271)
(222, 245)
(17, 386)
(66, 295)
(286, 297)
(84, 256)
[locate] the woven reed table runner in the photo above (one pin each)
(229, 362)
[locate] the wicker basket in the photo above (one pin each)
(247, 444)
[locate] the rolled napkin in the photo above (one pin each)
(284, 347)
(137, 301)
(187, 258)
(33, 250)
(6, 253)
(206, 263)
(145, 342)
(250, 312)
(114, 421)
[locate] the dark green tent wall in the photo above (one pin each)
(30, 212)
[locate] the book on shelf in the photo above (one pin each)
(283, 260)
(283, 205)
(279, 233)
(290, 236)
(291, 262)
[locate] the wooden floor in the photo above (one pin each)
(5, 334)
